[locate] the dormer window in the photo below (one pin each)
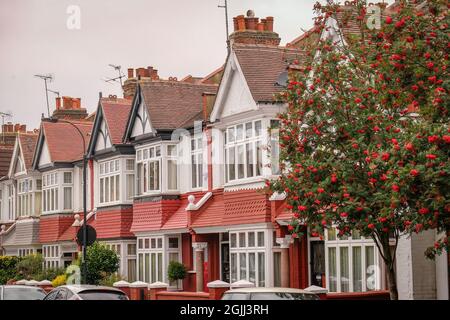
(243, 151)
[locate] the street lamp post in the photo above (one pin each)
(55, 120)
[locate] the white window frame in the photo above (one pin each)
(109, 170)
(196, 160)
(145, 157)
(235, 142)
(11, 198)
(23, 252)
(257, 249)
(350, 243)
(52, 256)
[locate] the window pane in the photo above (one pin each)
(200, 169)
(130, 186)
(231, 164)
(153, 277)
(172, 150)
(261, 269)
(141, 267)
(275, 152)
(131, 248)
(148, 279)
(172, 175)
(194, 171)
(117, 190)
(370, 268)
(230, 135)
(345, 280)
(67, 198)
(130, 164)
(357, 269)
(159, 246)
(331, 234)
(241, 162)
(250, 160)
(242, 239)
(251, 267)
(160, 268)
(233, 240)
(258, 158)
(240, 132)
(257, 128)
(277, 269)
(332, 280)
(102, 190)
(251, 239)
(107, 189)
(153, 243)
(261, 239)
(131, 277)
(233, 262)
(248, 130)
(356, 235)
(173, 243)
(242, 266)
(111, 188)
(147, 243)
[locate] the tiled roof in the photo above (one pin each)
(171, 104)
(28, 143)
(116, 113)
(262, 66)
(64, 141)
(5, 159)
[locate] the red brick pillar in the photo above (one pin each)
(124, 286)
(156, 287)
(138, 290)
(199, 252)
(217, 289)
(285, 266)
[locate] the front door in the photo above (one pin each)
(318, 263)
(225, 253)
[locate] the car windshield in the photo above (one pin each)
(283, 296)
(102, 295)
(23, 293)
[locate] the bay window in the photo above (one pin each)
(247, 257)
(52, 256)
(28, 197)
(109, 181)
(243, 151)
(57, 191)
(352, 263)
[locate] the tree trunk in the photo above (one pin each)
(392, 283)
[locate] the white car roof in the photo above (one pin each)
(85, 287)
(268, 290)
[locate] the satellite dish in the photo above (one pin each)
(282, 79)
(250, 14)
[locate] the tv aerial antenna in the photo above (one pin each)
(7, 114)
(116, 79)
(225, 7)
(47, 78)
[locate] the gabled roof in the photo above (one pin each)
(65, 144)
(6, 153)
(28, 145)
(262, 66)
(171, 104)
(115, 112)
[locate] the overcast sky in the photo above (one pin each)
(177, 37)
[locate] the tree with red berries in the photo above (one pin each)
(365, 140)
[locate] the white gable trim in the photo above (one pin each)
(231, 68)
(142, 123)
(17, 156)
(44, 154)
(333, 32)
(103, 137)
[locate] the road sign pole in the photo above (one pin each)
(84, 220)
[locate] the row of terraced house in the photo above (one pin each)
(176, 172)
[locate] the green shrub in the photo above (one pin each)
(8, 268)
(101, 263)
(50, 274)
(30, 266)
(176, 271)
(110, 280)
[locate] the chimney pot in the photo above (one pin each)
(130, 73)
(67, 103)
(58, 103)
(236, 25)
(269, 24)
(261, 26)
(241, 22)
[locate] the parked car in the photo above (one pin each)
(20, 292)
(269, 294)
(85, 292)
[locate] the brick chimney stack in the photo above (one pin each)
(69, 109)
(250, 30)
(9, 133)
(141, 74)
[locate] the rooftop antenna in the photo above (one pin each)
(119, 78)
(49, 78)
(225, 7)
(4, 115)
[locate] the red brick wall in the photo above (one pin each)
(52, 227)
(114, 224)
(151, 215)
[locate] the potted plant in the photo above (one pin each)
(176, 271)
